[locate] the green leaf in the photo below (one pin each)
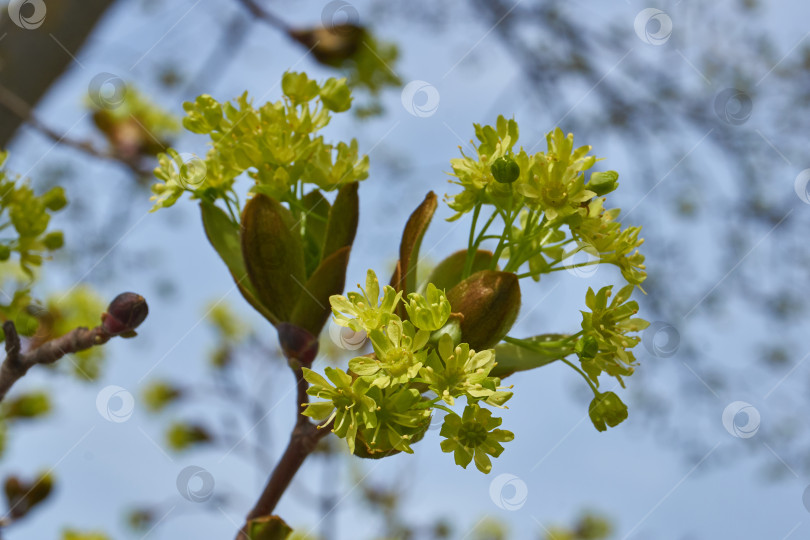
(511, 357)
(448, 273)
(312, 309)
(316, 215)
(268, 528)
(273, 254)
(404, 278)
(224, 237)
(343, 218)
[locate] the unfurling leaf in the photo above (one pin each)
(312, 309)
(273, 254)
(511, 358)
(343, 218)
(448, 273)
(489, 302)
(223, 234)
(404, 278)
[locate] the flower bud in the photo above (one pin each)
(428, 312)
(505, 170)
(53, 240)
(124, 314)
(607, 409)
(489, 302)
(55, 199)
(586, 347)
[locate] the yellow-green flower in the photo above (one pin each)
(365, 311)
(398, 355)
(474, 436)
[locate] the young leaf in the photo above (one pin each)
(273, 254)
(409, 247)
(312, 309)
(489, 302)
(343, 218)
(224, 237)
(448, 273)
(511, 358)
(316, 215)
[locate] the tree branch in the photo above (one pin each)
(303, 439)
(20, 108)
(125, 313)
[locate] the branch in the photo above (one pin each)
(260, 13)
(20, 108)
(125, 313)
(303, 439)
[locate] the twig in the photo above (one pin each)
(17, 364)
(303, 439)
(20, 108)
(125, 313)
(260, 13)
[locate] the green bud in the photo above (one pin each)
(54, 240)
(268, 528)
(489, 302)
(586, 347)
(335, 95)
(54, 199)
(5, 252)
(505, 170)
(607, 409)
(428, 312)
(603, 183)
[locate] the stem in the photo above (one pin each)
(17, 364)
(303, 439)
(584, 376)
(471, 247)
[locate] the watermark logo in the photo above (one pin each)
(420, 98)
(195, 484)
(107, 91)
(738, 412)
(661, 339)
(27, 14)
(653, 26)
(733, 106)
(115, 404)
(508, 492)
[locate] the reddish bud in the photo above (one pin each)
(124, 314)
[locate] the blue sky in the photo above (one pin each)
(633, 474)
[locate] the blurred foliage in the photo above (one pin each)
(81, 306)
(73, 534)
(26, 406)
(22, 496)
(589, 526)
(24, 219)
(157, 395)
(181, 436)
(135, 128)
